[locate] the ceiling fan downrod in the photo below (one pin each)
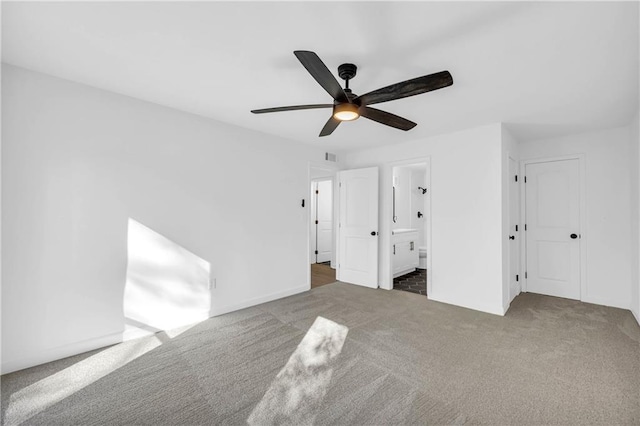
(347, 72)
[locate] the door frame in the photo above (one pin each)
(387, 279)
(318, 170)
(584, 234)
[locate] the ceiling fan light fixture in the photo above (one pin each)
(345, 112)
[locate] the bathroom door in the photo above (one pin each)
(358, 227)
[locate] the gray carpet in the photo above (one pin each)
(373, 357)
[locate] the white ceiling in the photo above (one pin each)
(546, 69)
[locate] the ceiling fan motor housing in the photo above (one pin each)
(347, 71)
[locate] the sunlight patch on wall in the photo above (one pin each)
(298, 390)
(167, 286)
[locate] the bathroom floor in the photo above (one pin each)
(414, 282)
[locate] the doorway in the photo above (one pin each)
(321, 206)
(553, 217)
(322, 232)
(410, 223)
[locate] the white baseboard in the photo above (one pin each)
(220, 310)
(60, 352)
(404, 272)
(603, 302)
(636, 315)
(100, 342)
(495, 310)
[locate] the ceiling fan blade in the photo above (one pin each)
(291, 108)
(321, 73)
(328, 128)
(387, 118)
(407, 88)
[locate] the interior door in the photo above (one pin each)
(313, 230)
(358, 227)
(324, 218)
(514, 230)
(553, 228)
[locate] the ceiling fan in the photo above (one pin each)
(347, 106)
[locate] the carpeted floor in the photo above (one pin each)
(343, 354)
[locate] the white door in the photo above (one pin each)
(324, 221)
(553, 228)
(358, 227)
(514, 230)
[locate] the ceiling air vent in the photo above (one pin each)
(331, 157)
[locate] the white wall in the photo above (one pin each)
(608, 209)
(78, 163)
(466, 221)
(634, 166)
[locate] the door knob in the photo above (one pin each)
(374, 233)
(512, 237)
(573, 236)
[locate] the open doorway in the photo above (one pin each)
(322, 238)
(322, 232)
(410, 225)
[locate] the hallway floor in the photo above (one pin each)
(322, 274)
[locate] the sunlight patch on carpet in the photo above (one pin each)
(298, 390)
(35, 398)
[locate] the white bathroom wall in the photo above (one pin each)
(78, 163)
(402, 180)
(606, 233)
(418, 204)
(466, 207)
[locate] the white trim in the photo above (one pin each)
(387, 282)
(60, 352)
(583, 209)
(494, 310)
(636, 316)
(115, 338)
(607, 302)
(257, 301)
